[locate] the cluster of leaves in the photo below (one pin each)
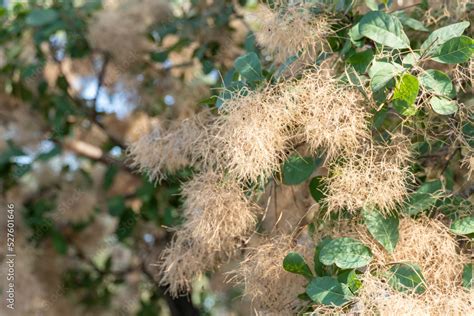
(338, 262)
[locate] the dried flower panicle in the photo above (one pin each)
(218, 217)
(167, 151)
(428, 244)
(250, 135)
(376, 176)
(295, 31)
(217, 212)
(271, 289)
(329, 116)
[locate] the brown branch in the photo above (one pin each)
(92, 152)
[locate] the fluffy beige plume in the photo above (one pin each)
(376, 176)
(182, 262)
(218, 217)
(427, 243)
(250, 135)
(329, 116)
(271, 289)
(217, 212)
(163, 151)
(297, 30)
(378, 298)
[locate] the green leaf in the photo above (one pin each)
(411, 59)
(297, 169)
(456, 50)
(346, 253)
(372, 4)
(383, 229)
(319, 268)
(295, 263)
(59, 242)
(410, 22)
(116, 206)
(109, 176)
(381, 73)
(317, 188)
(437, 82)
(443, 106)
(384, 29)
(126, 224)
(327, 291)
(441, 36)
(463, 226)
(467, 276)
(406, 277)
(424, 198)
(39, 17)
(249, 67)
(361, 60)
(349, 277)
(405, 94)
(355, 35)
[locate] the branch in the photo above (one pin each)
(92, 152)
(100, 82)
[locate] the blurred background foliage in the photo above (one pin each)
(79, 81)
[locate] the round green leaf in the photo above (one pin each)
(383, 229)
(328, 291)
(463, 226)
(443, 106)
(295, 263)
(39, 17)
(318, 265)
(456, 50)
(406, 277)
(437, 82)
(384, 29)
(346, 253)
(405, 94)
(381, 73)
(297, 169)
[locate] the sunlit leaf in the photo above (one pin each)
(405, 94)
(295, 263)
(454, 51)
(383, 229)
(346, 253)
(406, 277)
(443, 106)
(437, 82)
(441, 36)
(383, 29)
(463, 226)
